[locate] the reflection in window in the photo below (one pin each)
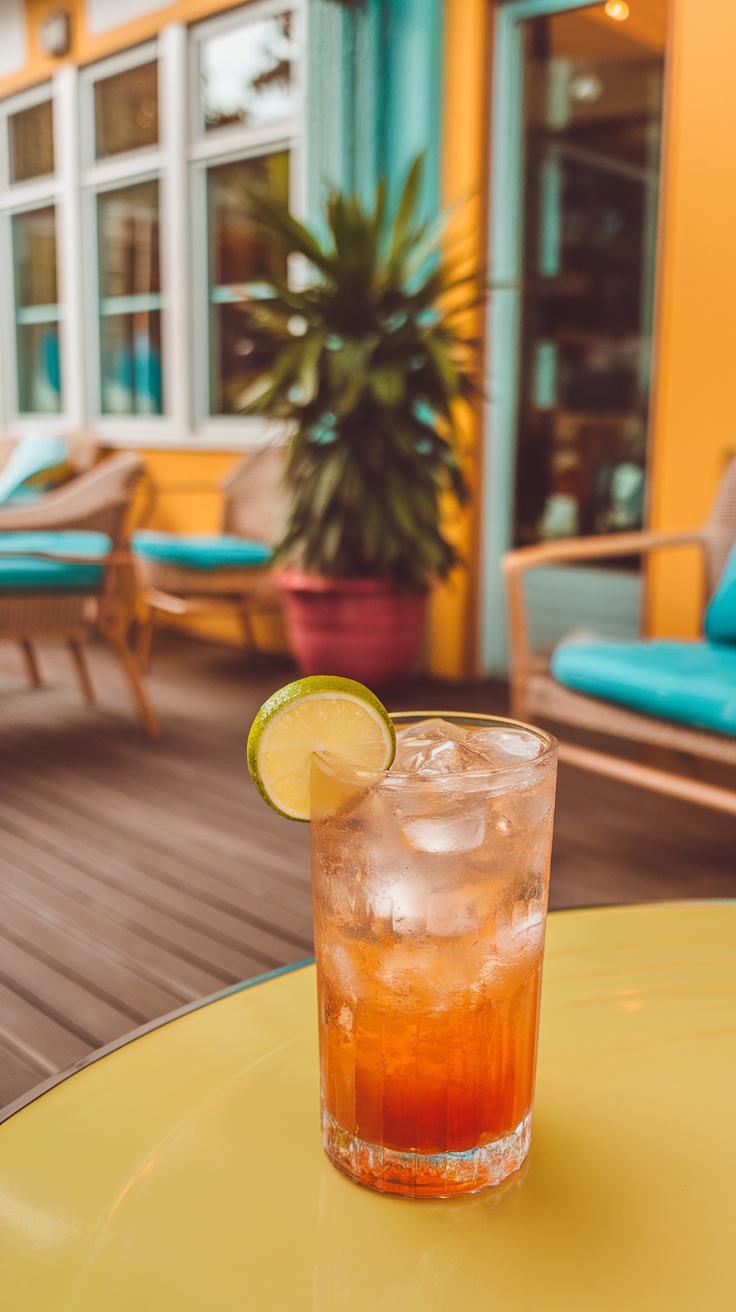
(238, 256)
(126, 110)
(592, 120)
(31, 142)
(248, 74)
(130, 300)
(36, 311)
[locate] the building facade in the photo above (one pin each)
(582, 141)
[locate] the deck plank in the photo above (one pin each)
(137, 876)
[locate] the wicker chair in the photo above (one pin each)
(535, 694)
(254, 509)
(98, 501)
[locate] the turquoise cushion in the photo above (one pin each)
(720, 617)
(200, 550)
(33, 458)
(20, 571)
(690, 682)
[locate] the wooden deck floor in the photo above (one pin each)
(136, 877)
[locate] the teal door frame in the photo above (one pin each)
(505, 264)
(374, 96)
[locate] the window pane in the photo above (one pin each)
(34, 252)
(130, 351)
(237, 256)
(36, 311)
(592, 123)
(130, 300)
(31, 142)
(248, 75)
(126, 110)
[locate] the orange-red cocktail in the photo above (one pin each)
(430, 893)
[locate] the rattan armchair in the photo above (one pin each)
(253, 508)
(536, 695)
(100, 500)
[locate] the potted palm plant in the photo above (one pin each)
(367, 362)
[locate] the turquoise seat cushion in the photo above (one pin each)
(690, 682)
(22, 572)
(200, 551)
(720, 617)
(35, 461)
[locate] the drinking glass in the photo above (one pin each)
(430, 886)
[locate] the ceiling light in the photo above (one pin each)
(617, 9)
(586, 87)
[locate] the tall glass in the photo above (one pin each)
(430, 900)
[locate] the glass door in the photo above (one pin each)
(577, 130)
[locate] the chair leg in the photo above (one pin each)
(30, 660)
(144, 639)
(82, 671)
(137, 686)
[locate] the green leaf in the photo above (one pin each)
(387, 384)
(407, 207)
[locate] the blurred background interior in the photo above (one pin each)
(588, 144)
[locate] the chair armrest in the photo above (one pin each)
(515, 564)
(78, 503)
(605, 547)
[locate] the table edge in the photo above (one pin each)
(46, 1085)
(38, 1090)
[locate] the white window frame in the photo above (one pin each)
(179, 161)
(228, 145)
(21, 198)
(97, 177)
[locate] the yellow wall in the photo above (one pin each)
(695, 396)
(85, 46)
(186, 498)
(453, 626)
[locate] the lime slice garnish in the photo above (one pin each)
(322, 713)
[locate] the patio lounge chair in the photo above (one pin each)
(66, 568)
(218, 574)
(675, 695)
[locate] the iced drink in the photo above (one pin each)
(430, 894)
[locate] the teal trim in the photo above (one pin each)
(522, 9)
(37, 314)
(413, 81)
(328, 100)
(545, 375)
(141, 303)
(504, 313)
(550, 236)
(374, 97)
(263, 979)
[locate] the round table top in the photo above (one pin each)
(184, 1170)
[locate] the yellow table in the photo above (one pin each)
(184, 1170)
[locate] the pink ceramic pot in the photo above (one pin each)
(360, 628)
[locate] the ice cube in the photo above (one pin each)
(409, 905)
(522, 930)
(459, 830)
(416, 740)
(504, 748)
(438, 756)
(424, 730)
(453, 911)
